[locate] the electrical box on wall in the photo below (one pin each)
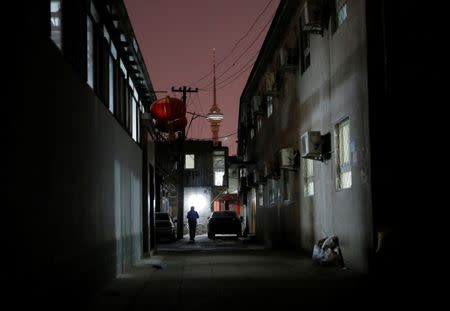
(311, 145)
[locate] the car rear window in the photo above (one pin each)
(223, 214)
(162, 216)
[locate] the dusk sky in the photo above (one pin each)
(176, 38)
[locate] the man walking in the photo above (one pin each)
(192, 216)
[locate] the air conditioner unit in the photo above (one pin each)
(287, 158)
(311, 145)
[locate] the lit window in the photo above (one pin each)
(90, 53)
(94, 13)
(133, 119)
(341, 12)
(259, 122)
(343, 165)
(111, 84)
(269, 106)
(308, 177)
(106, 34)
(55, 22)
(305, 47)
(113, 51)
(124, 70)
(339, 15)
(218, 167)
(189, 161)
(273, 191)
(261, 195)
(286, 186)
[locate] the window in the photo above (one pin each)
(218, 167)
(308, 177)
(252, 133)
(55, 23)
(111, 84)
(259, 122)
(261, 196)
(342, 145)
(273, 191)
(106, 34)
(189, 161)
(90, 53)
(122, 67)
(269, 106)
(286, 186)
(305, 47)
(340, 14)
(134, 116)
(113, 50)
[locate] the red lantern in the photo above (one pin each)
(168, 109)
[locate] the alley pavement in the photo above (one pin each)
(235, 274)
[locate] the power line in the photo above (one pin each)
(242, 54)
(235, 75)
(234, 133)
(245, 67)
(236, 44)
(246, 34)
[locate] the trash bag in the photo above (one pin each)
(326, 252)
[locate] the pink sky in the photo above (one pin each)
(176, 38)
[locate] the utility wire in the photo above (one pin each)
(222, 84)
(236, 44)
(228, 135)
(242, 54)
(246, 34)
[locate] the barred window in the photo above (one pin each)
(269, 106)
(305, 47)
(189, 161)
(90, 52)
(218, 167)
(261, 196)
(273, 191)
(341, 11)
(55, 22)
(339, 14)
(343, 164)
(286, 186)
(308, 177)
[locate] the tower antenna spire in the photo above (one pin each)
(215, 116)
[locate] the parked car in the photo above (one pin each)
(224, 222)
(165, 226)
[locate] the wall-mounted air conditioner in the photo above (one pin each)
(311, 145)
(287, 157)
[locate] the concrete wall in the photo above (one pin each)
(332, 88)
(75, 182)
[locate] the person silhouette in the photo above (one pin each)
(192, 217)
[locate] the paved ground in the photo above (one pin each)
(235, 274)
(230, 274)
(222, 242)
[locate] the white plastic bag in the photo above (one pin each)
(326, 252)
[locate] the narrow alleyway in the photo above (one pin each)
(230, 275)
